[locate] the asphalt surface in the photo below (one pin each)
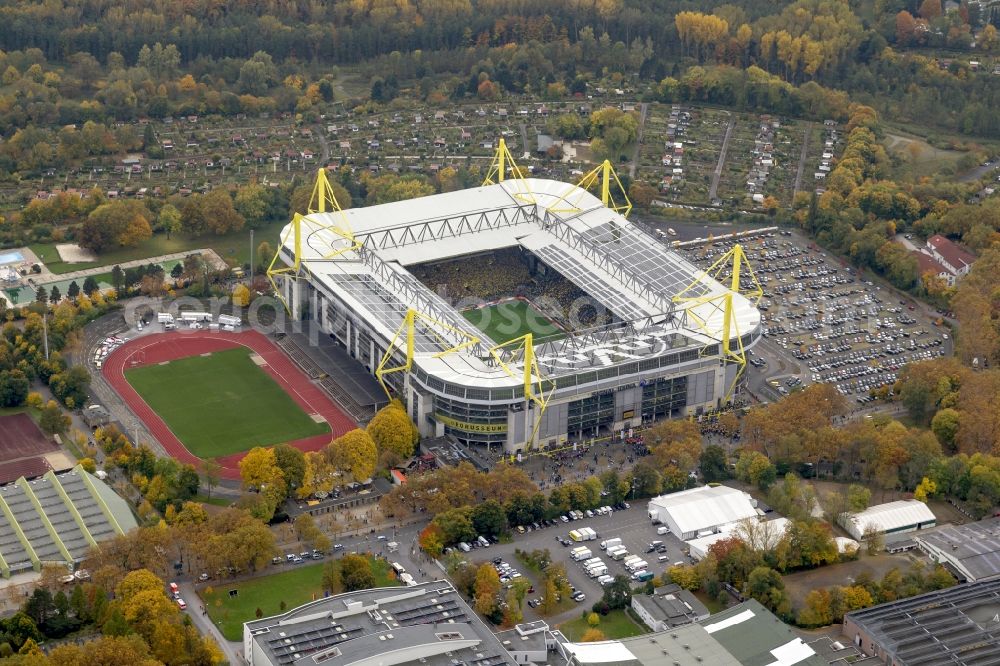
(631, 525)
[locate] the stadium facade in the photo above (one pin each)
(659, 357)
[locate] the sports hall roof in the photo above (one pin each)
(889, 517)
(56, 518)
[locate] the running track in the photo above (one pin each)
(160, 347)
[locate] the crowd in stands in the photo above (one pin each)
(506, 273)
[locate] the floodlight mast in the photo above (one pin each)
(322, 200)
(736, 260)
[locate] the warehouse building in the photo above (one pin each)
(56, 518)
(960, 625)
(427, 624)
(971, 551)
(699, 512)
(745, 635)
(766, 537)
(667, 607)
(890, 518)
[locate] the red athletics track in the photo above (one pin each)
(160, 347)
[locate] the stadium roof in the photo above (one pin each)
(953, 626)
(703, 508)
(56, 519)
(889, 517)
(617, 263)
(428, 623)
(972, 549)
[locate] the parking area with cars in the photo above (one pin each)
(629, 523)
(830, 323)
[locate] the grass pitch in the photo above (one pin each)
(222, 403)
(512, 319)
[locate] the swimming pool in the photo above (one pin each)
(11, 258)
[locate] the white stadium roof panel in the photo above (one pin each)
(618, 264)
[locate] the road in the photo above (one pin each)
(979, 172)
(802, 160)
(524, 140)
(717, 174)
(320, 134)
(643, 109)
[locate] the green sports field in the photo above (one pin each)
(222, 403)
(512, 319)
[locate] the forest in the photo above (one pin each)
(69, 61)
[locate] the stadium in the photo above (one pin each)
(524, 313)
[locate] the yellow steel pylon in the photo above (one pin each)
(322, 200)
(737, 261)
(605, 175)
(406, 333)
(503, 167)
(534, 382)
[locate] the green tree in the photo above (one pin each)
(489, 518)
(858, 497)
(169, 220)
(713, 464)
(356, 572)
(122, 223)
(253, 202)
(73, 290)
(292, 463)
(618, 594)
(332, 580)
(52, 420)
(766, 586)
(89, 285)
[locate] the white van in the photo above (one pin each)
(464, 547)
(483, 541)
(663, 529)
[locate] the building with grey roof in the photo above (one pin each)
(668, 606)
(56, 518)
(529, 642)
(429, 624)
(745, 635)
(971, 551)
(959, 626)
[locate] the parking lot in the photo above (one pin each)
(825, 323)
(631, 525)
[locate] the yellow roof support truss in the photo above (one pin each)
(504, 168)
(535, 389)
(322, 200)
(404, 338)
(603, 175)
(732, 350)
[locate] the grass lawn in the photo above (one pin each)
(214, 500)
(616, 624)
(298, 584)
(512, 319)
(222, 403)
(233, 247)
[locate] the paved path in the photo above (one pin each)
(320, 134)
(212, 256)
(643, 109)
(232, 650)
(717, 174)
(802, 160)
